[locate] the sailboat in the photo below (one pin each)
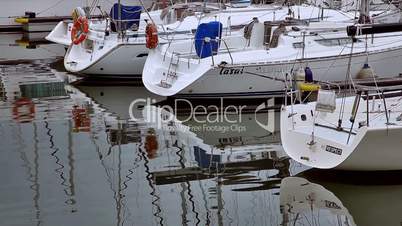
(358, 132)
(369, 141)
(256, 62)
(61, 33)
(122, 52)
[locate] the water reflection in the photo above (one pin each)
(302, 203)
(372, 198)
(342, 198)
(196, 162)
(69, 155)
(116, 98)
(28, 47)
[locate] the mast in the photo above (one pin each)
(36, 185)
(219, 199)
(119, 194)
(364, 17)
(119, 17)
(204, 6)
(71, 160)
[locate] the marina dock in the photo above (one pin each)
(36, 24)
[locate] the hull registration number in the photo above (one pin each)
(333, 150)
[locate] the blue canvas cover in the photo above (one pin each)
(213, 30)
(205, 160)
(130, 16)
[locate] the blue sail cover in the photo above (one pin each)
(205, 160)
(130, 15)
(212, 30)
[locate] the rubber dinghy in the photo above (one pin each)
(354, 133)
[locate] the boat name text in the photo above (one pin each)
(231, 71)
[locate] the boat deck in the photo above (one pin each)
(382, 81)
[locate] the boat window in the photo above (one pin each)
(328, 42)
(298, 45)
(88, 44)
(336, 41)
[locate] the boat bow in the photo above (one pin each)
(168, 75)
(322, 147)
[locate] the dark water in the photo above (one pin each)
(69, 155)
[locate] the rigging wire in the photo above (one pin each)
(333, 62)
(347, 77)
(50, 7)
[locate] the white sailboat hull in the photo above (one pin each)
(378, 150)
(252, 67)
(180, 30)
(61, 33)
(258, 78)
(119, 60)
(373, 148)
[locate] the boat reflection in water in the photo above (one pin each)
(38, 143)
(195, 174)
(302, 202)
(28, 47)
(72, 156)
(204, 177)
(371, 198)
